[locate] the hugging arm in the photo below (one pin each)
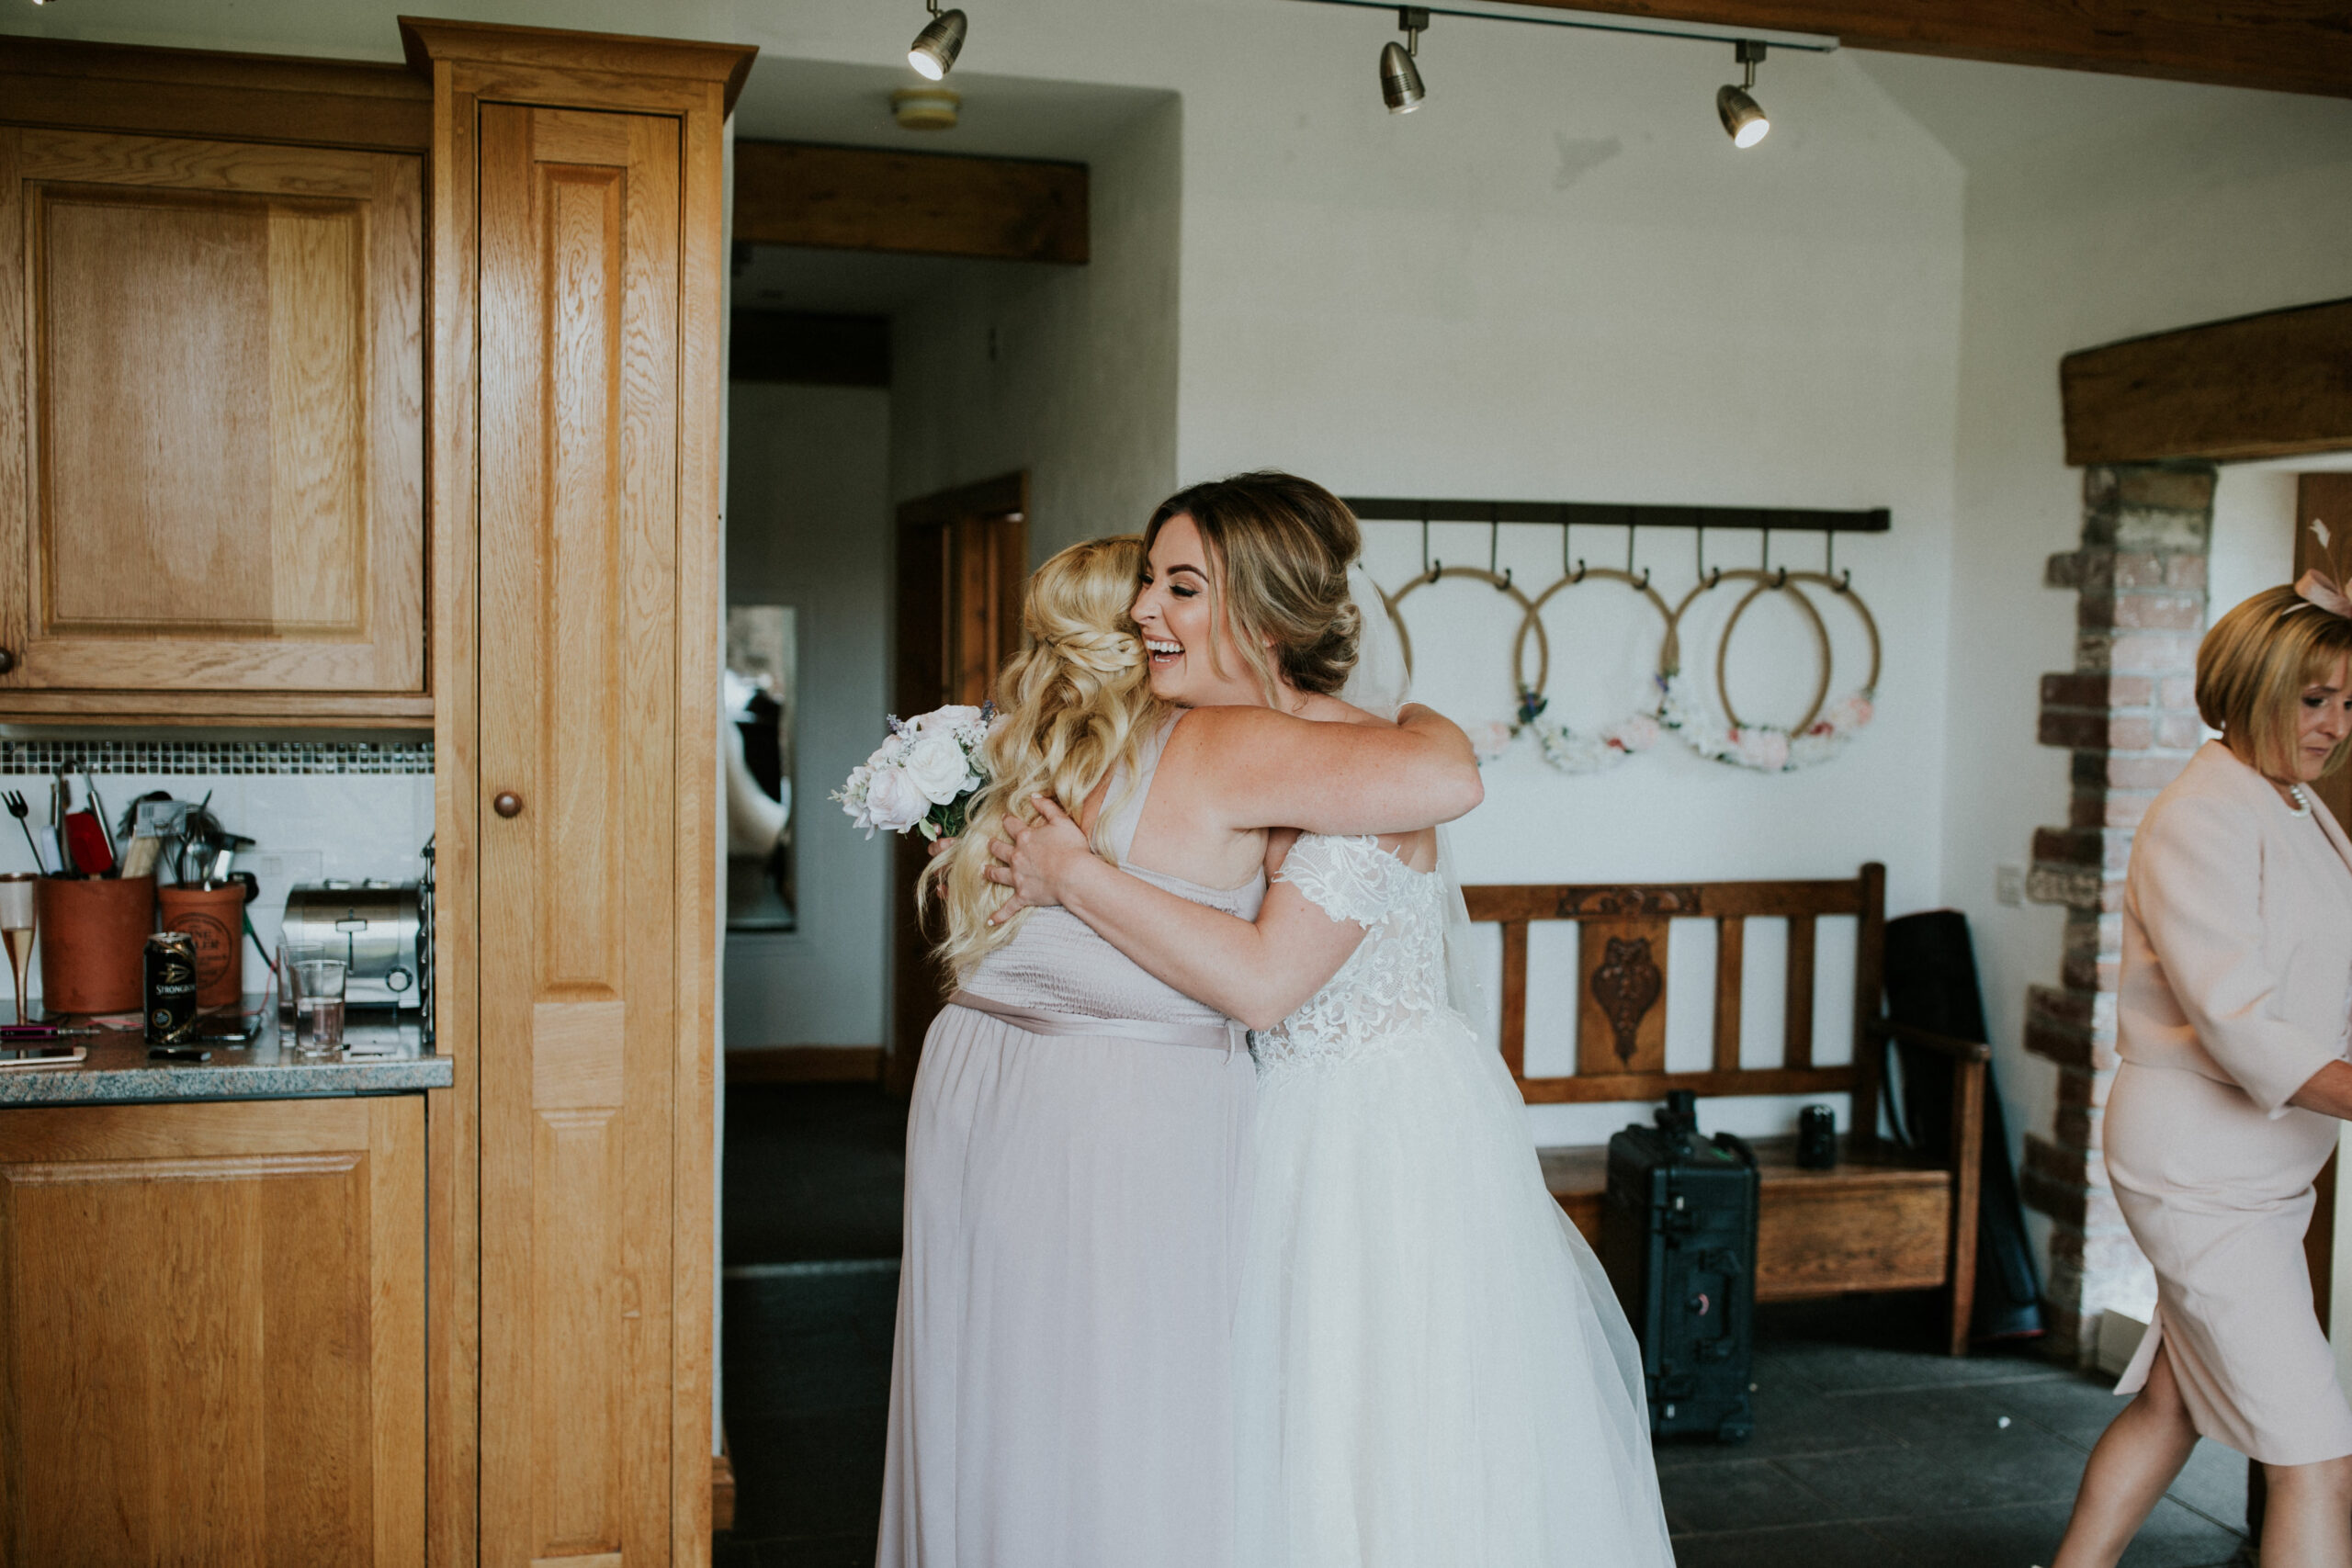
(1273, 770)
(1259, 973)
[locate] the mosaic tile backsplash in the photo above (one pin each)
(216, 756)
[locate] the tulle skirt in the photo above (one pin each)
(1430, 1366)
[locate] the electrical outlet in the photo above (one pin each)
(2009, 886)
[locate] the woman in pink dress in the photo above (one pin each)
(2232, 1023)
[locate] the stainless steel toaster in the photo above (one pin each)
(378, 929)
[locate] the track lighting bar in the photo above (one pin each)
(1590, 21)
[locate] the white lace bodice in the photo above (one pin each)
(1395, 978)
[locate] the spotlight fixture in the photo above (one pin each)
(1400, 80)
(933, 53)
(1745, 120)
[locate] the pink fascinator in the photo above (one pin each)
(2319, 589)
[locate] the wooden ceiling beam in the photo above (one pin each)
(938, 204)
(2276, 385)
(2289, 46)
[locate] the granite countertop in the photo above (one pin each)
(118, 1071)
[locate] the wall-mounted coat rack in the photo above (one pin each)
(1678, 705)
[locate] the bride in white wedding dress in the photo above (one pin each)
(1431, 1369)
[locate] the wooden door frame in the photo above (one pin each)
(919, 680)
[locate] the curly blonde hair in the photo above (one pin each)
(1280, 547)
(1075, 707)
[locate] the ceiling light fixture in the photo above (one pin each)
(1400, 79)
(1745, 120)
(933, 53)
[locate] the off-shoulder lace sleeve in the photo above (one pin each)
(1348, 879)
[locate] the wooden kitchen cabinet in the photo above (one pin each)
(212, 1334)
(211, 412)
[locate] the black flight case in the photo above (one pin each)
(1678, 1237)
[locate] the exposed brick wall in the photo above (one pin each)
(2128, 713)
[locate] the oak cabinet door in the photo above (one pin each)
(212, 1335)
(578, 514)
(211, 416)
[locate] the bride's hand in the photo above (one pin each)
(1034, 859)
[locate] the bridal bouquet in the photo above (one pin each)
(922, 775)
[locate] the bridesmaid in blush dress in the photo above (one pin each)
(1078, 1163)
(2231, 1021)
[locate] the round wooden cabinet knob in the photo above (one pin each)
(7, 661)
(508, 804)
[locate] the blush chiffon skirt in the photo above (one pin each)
(1061, 1391)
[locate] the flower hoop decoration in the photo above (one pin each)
(1570, 750)
(1489, 739)
(1826, 727)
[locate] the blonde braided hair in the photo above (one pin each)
(1075, 707)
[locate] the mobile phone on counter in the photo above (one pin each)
(14, 1057)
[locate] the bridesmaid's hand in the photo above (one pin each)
(1035, 859)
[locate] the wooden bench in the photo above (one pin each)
(1885, 1218)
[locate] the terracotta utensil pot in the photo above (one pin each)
(215, 916)
(92, 935)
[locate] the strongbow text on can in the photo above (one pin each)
(170, 986)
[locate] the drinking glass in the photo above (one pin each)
(289, 953)
(318, 1006)
(16, 929)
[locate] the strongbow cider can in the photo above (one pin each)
(170, 990)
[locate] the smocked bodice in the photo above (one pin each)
(1055, 963)
(1396, 978)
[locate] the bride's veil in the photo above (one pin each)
(1378, 685)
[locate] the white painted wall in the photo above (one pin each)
(2226, 203)
(808, 526)
(1066, 372)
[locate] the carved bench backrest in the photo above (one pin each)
(1621, 983)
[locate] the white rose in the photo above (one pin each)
(936, 766)
(893, 803)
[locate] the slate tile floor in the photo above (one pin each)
(1870, 1451)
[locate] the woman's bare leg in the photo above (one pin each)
(2136, 1458)
(2307, 1523)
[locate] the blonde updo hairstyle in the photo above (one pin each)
(1279, 550)
(2252, 669)
(1074, 705)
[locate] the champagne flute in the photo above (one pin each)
(16, 929)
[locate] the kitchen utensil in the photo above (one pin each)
(376, 928)
(140, 858)
(93, 932)
(318, 1006)
(14, 799)
(60, 805)
(17, 919)
(51, 852)
(99, 807)
(86, 839)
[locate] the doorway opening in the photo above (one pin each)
(923, 402)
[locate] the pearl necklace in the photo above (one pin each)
(2302, 807)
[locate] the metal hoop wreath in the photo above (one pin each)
(1566, 748)
(1767, 747)
(1499, 583)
